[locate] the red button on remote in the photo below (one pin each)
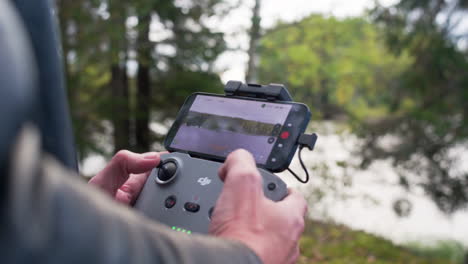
(284, 135)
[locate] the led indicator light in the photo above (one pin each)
(173, 228)
(189, 232)
(178, 229)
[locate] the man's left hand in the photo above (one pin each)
(125, 175)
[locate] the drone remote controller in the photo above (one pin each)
(182, 192)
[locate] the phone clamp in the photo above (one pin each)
(270, 92)
(308, 141)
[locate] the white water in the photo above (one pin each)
(373, 192)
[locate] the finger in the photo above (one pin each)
(130, 190)
(234, 158)
(242, 180)
(116, 173)
(237, 158)
(240, 169)
(130, 162)
(295, 202)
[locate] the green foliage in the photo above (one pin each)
(446, 249)
(428, 106)
(329, 243)
(105, 42)
(401, 74)
(175, 86)
(338, 67)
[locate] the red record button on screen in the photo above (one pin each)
(284, 135)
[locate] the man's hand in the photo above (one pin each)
(270, 229)
(125, 175)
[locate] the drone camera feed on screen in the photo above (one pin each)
(218, 125)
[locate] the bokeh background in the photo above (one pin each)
(387, 83)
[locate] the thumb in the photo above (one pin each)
(124, 163)
(242, 191)
(129, 162)
(240, 175)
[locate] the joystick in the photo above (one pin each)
(182, 192)
(167, 172)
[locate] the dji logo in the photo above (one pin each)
(204, 181)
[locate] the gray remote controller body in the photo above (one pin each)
(186, 200)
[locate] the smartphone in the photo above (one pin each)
(211, 126)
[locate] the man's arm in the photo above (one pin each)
(49, 216)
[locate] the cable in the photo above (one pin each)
(303, 167)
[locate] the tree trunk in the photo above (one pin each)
(143, 91)
(324, 98)
(120, 107)
(142, 132)
(251, 74)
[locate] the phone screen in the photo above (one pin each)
(217, 125)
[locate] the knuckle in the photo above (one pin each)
(121, 155)
(301, 202)
(296, 223)
(301, 227)
(296, 255)
(127, 188)
(124, 197)
(299, 223)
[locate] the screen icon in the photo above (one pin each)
(285, 135)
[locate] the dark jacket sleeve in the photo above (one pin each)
(51, 217)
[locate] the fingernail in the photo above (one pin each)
(151, 155)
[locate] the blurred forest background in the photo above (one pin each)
(396, 78)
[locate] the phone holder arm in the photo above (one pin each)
(270, 92)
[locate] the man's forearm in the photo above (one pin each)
(52, 217)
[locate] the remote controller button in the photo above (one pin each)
(166, 172)
(271, 186)
(170, 201)
(192, 207)
(210, 212)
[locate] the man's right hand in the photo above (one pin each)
(271, 229)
